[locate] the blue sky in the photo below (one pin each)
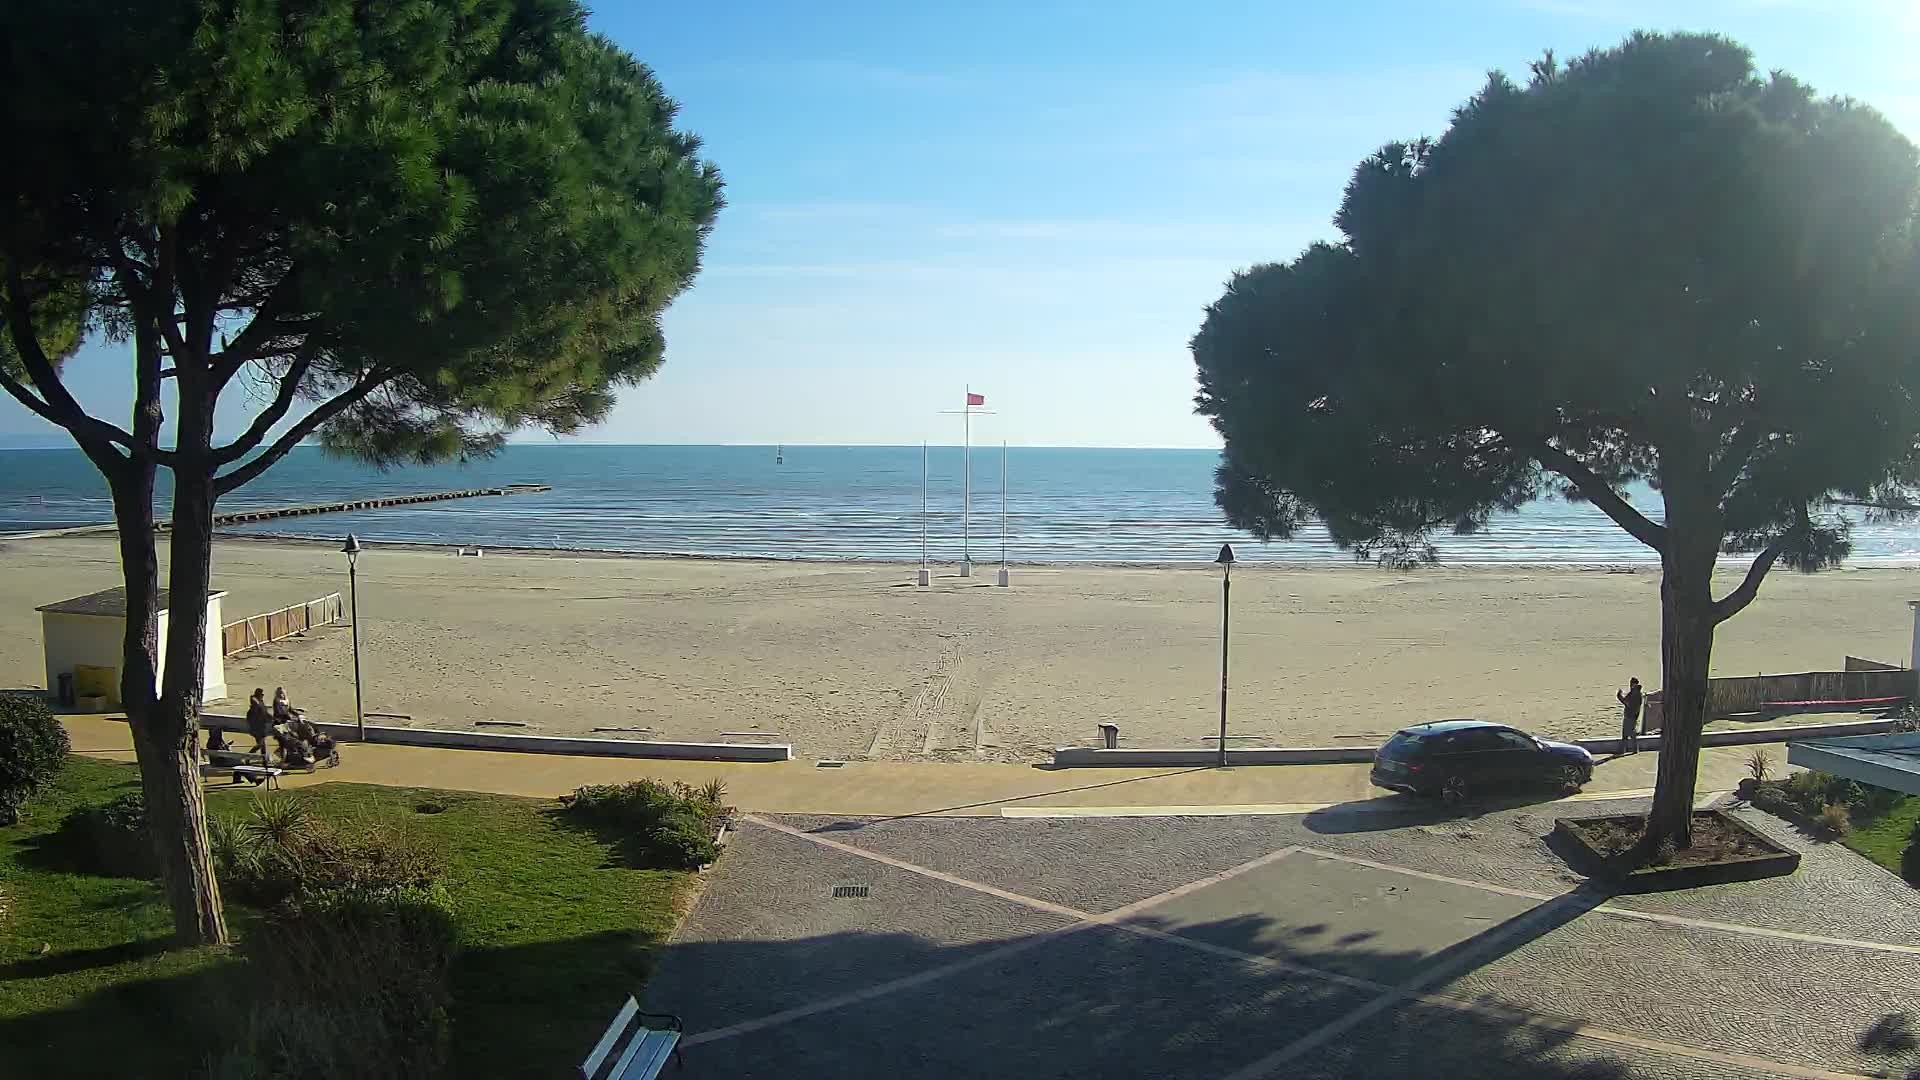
(1039, 199)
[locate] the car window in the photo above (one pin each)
(1404, 744)
(1475, 739)
(1513, 740)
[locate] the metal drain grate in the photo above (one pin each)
(850, 892)
(829, 764)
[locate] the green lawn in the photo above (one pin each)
(554, 935)
(1883, 838)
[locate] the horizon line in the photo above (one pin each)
(860, 445)
(766, 445)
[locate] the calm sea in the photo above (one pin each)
(826, 502)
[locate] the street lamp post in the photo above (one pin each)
(1225, 559)
(352, 550)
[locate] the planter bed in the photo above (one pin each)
(1724, 849)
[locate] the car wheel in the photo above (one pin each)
(1454, 790)
(1573, 777)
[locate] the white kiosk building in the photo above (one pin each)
(90, 631)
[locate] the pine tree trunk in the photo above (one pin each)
(140, 570)
(175, 803)
(169, 750)
(1686, 653)
(166, 747)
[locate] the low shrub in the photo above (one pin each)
(282, 853)
(664, 826)
(1833, 821)
(1804, 797)
(1809, 790)
(1760, 765)
(685, 842)
(110, 839)
(1910, 858)
(353, 955)
(351, 982)
(1773, 800)
(33, 746)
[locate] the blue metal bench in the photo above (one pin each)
(644, 1048)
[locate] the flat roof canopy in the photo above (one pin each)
(1889, 761)
(108, 603)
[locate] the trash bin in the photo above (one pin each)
(1110, 736)
(65, 694)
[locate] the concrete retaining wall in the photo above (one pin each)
(1075, 757)
(538, 744)
(1181, 756)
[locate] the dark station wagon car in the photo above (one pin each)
(1453, 759)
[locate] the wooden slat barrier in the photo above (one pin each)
(258, 630)
(1742, 694)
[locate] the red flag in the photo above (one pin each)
(976, 399)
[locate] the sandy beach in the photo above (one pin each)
(854, 661)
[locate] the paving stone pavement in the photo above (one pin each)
(1427, 1041)
(1239, 947)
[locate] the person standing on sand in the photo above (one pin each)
(1630, 700)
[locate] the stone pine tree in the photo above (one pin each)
(1651, 264)
(402, 228)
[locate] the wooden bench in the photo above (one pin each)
(241, 765)
(265, 774)
(644, 1048)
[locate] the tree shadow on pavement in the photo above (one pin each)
(1082, 1002)
(1096, 1001)
(1892, 1036)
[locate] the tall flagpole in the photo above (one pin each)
(1003, 513)
(966, 466)
(925, 576)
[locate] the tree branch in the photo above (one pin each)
(195, 309)
(151, 299)
(265, 325)
(53, 403)
(282, 401)
(1739, 451)
(30, 399)
(1600, 493)
(1734, 602)
(304, 427)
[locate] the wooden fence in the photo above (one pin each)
(251, 633)
(1753, 693)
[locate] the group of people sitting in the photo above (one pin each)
(299, 742)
